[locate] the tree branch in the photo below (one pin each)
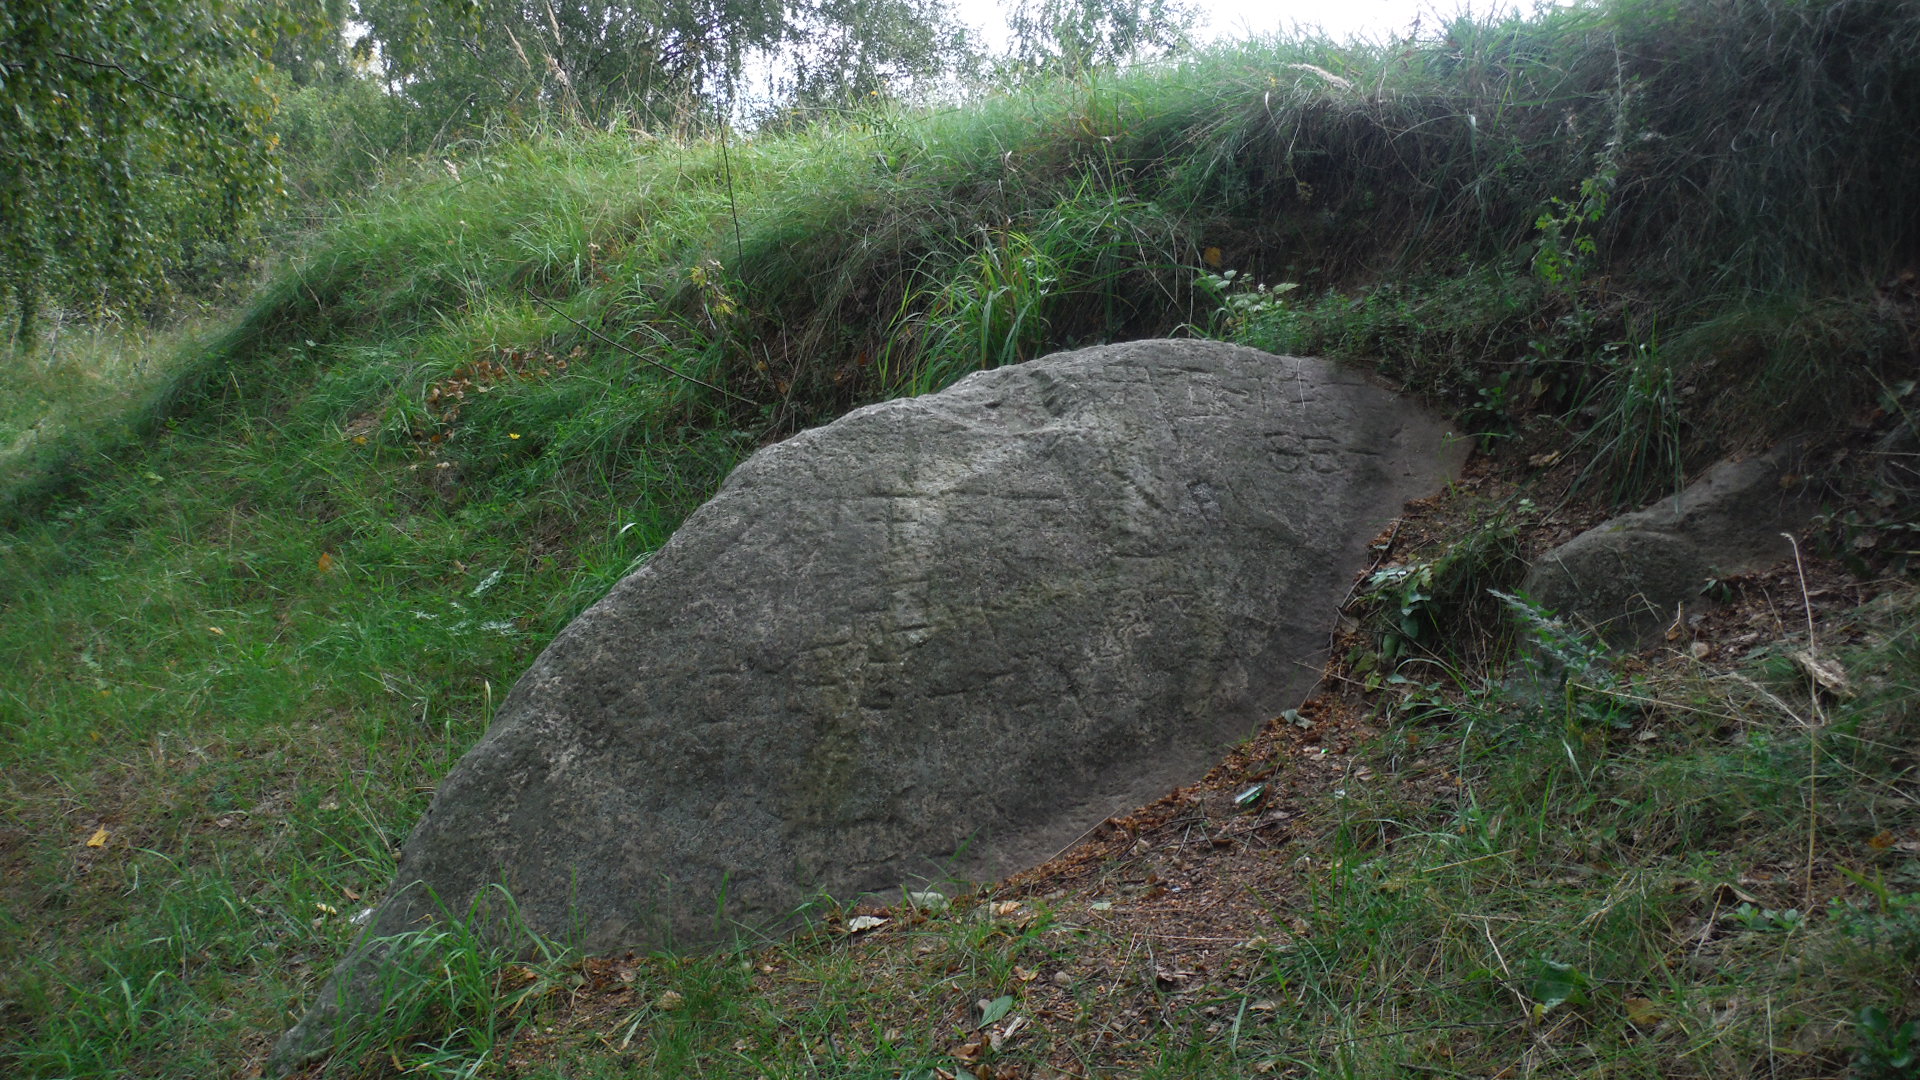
(131, 77)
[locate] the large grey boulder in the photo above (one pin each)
(1632, 576)
(937, 639)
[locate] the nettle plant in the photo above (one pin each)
(1566, 248)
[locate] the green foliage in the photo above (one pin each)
(309, 45)
(1566, 248)
(1798, 361)
(258, 633)
(1241, 309)
(669, 64)
(1495, 344)
(845, 53)
(1888, 1050)
(993, 313)
(1767, 920)
(589, 56)
(335, 138)
(1442, 603)
(135, 136)
(1076, 37)
(1024, 289)
(1558, 643)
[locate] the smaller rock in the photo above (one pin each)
(1631, 577)
(931, 902)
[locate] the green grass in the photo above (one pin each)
(64, 401)
(1574, 180)
(1579, 903)
(1605, 881)
(1611, 881)
(267, 574)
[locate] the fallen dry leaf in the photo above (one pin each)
(1827, 674)
(1642, 1012)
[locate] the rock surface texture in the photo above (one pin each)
(939, 638)
(1632, 576)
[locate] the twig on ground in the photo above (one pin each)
(1813, 729)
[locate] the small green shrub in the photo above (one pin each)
(1444, 605)
(1889, 1050)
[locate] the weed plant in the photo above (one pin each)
(1444, 607)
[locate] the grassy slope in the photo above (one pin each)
(262, 594)
(1444, 877)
